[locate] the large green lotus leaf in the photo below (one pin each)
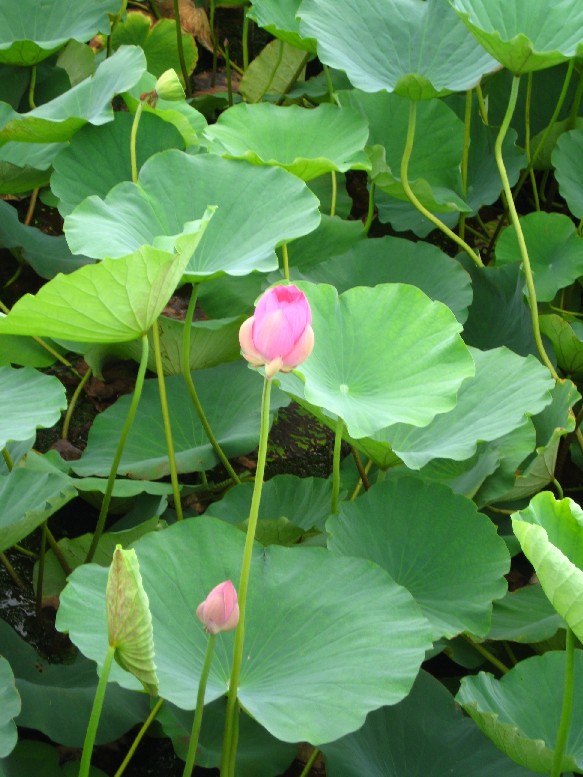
(554, 247)
(307, 143)
(258, 208)
(567, 161)
(522, 35)
(279, 18)
(258, 753)
(525, 615)
(38, 156)
(315, 661)
(394, 260)
(521, 712)
(555, 421)
(88, 102)
(425, 734)
(550, 533)
(417, 49)
(434, 178)
(303, 502)
(49, 692)
(211, 343)
(231, 396)
(28, 499)
(111, 302)
(499, 314)
(432, 542)
(158, 42)
(272, 72)
(85, 166)
(568, 347)
(32, 757)
(47, 255)
(490, 405)
(372, 369)
(28, 400)
(10, 707)
(30, 31)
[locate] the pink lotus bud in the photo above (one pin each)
(279, 335)
(220, 610)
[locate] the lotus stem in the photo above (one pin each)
(334, 193)
(245, 40)
(229, 740)
(166, 421)
(465, 158)
(91, 732)
(7, 459)
(567, 709)
(119, 450)
(73, 403)
(192, 390)
(197, 722)
(311, 761)
(336, 464)
(139, 736)
(180, 47)
(516, 222)
(285, 260)
(414, 200)
(370, 213)
(133, 136)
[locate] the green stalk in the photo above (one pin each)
(329, 83)
(567, 709)
(488, 655)
(228, 73)
(285, 261)
(31, 88)
(482, 104)
(516, 222)
(91, 732)
(336, 464)
(139, 736)
(229, 742)
(527, 141)
(574, 112)
(180, 49)
(73, 403)
(192, 390)
(311, 761)
(245, 40)
(214, 40)
(119, 450)
(370, 213)
(58, 552)
(334, 193)
(11, 571)
(411, 195)
(465, 158)
(167, 424)
(41, 569)
(7, 459)
(114, 24)
(133, 136)
(548, 128)
(197, 722)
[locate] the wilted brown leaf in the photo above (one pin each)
(192, 19)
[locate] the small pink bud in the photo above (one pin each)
(220, 610)
(279, 335)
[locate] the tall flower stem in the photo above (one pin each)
(567, 709)
(465, 157)
(336, 464)
(334, 193)
(139, 736)
(166, 421)
(197, 722)
(91, 732)
(516, 222)
(192, 390)
(285, 261)
(180, 49)
(229, 740)
(119, 450)
(133, 136)
(73, 403)
(412, 197)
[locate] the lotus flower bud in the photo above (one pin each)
(279, 335)
(168, 86)
(220, 610)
